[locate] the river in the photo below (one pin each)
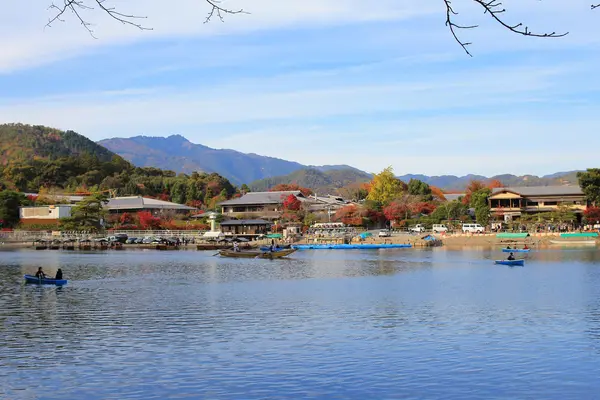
(422, 324)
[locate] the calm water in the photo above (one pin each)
(325, 324)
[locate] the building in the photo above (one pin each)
(268, 205)
(245, 226)
(44, 214)
(513, 202)
(134, 204)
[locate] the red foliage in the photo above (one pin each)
(374, 216)
(195, 203)
(473, 186)
(592, 214)
(148, 221)
(164, 197)
(423, 208)
(349, 215)
(126, 218)
(291, 203)
(396, 211)
(437, 192)
(284, 187)
(495, 183)
(32, 197)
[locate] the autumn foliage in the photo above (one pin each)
(291, 203)
(473, 187)
(148, 221)
(284, 187)
(349, 215)
(592, 214)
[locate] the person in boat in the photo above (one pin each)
(58, 274)
(511, 257)
(236, 248)
(40, 273)
(508, 247)
(525, 247)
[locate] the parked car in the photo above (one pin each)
(131, 240)
(472, 228)
(384, 233)
(439, 228)
(419, 228)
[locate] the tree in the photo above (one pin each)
(479, 201)
(291, 203)
(492, 8)
(244, 189)
(9, 207)
(495, 183)
(420, 188)
(437, 193)
(349, 215)
(590, 184)
(592, 215)
(396, 211)
(148, 221)
(472, 187)
(385, 187)
(291, 187)
(87, 215)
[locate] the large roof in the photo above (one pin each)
(542, 190)
(257, 198)
(143, 203)
(236, 222)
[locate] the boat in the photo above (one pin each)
(40, 244)
(574, 242)
(256, 254)
(510, 262)
(69, 244)
(54, 245)
(368, 246)
(516, 250)
(44, 281)
(268, 248)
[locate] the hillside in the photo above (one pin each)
(179, 154)
(19, 142)
(321, 181)
(37, 157)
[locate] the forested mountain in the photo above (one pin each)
(35, 158)
(179, 154)
(322, 182)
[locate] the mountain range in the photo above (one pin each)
(178, 154)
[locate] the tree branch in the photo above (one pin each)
(219, 11)
(594, 6)
(494, 9)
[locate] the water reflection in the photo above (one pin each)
(432, 323)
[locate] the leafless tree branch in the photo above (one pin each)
(594, 6)
(494, 9)
(218, 11)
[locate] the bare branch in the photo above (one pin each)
(594, 6)
(218, 11)
(494, 9)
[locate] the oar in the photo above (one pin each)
(216, 254)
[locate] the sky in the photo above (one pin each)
(319, 81)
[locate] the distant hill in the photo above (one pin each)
(178, 154)
(24, 143)
(322, 181)
(452, 183)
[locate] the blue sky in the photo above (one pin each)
(320, 82)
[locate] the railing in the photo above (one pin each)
(24, 236)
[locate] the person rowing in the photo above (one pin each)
(511, 257)
(40, 273)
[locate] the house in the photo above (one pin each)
(263, 205)
(512, 202)
(44, 214)
(138, 203)
(268, 205)
(245, 226)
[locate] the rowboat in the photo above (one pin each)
(44, 281)
(510, 262)
(516, 250)
(574, 242)
(268, 248)
(369, 246)
(256, 254)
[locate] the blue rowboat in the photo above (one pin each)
(44, 281)
(515, 250)
(510, 262)
(349, 246)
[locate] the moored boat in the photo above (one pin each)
(256, 254)
(510, 262)
(369, 246)
(516, 250)
(574, 242)
(40, 244)
(44, 281)
(277, 248)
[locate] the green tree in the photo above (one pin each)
(87, 215)
(244, 188)
(385, 187)
(419, 188)
(479, 201)
(9, 207)
(590, 184)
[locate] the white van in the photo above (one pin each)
(439, 228)
(472, 228)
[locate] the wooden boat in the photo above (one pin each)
(268, 248)
(369, 246)
(44, 281)
(85, 245)
(574, 242)
(510, 262)
(54, 245)
(69, 244)
(256, 254)
(515, 250)
(40, 244)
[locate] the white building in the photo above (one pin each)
(45, 213)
